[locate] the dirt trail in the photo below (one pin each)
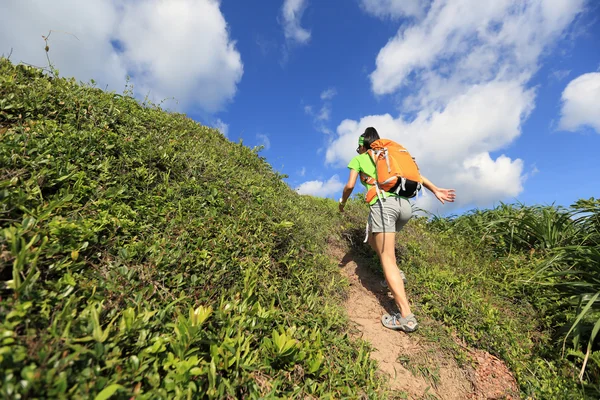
(430, 373)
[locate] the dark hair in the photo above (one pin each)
(370, 136)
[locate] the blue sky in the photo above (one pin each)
(500, 101)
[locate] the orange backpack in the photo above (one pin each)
(397, 171)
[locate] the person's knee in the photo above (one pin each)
(388, 258)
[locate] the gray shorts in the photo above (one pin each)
(389, 215)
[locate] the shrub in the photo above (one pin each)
(146, 255)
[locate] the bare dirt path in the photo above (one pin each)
(417, 369)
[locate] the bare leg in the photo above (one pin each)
(384, 244)
(372, 242)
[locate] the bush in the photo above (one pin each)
(539, 282)
(145, 255)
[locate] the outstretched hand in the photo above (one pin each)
(444, 195)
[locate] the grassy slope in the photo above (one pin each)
(149, 252)
(152, 253)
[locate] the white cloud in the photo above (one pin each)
(325, 113)
(470, 62)
(560, 74)
(328, 94)
(452, 146)
(175, 48)
(324, 129)
(581, 103)
(302, 171)
(222, 127)
(394, 8)
(264, 141)
(291, 13)
(318, 188)
(471, 39)
(480, 181)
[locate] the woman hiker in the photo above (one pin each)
(385, 219)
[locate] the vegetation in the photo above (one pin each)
(533, 273)
(146, 256)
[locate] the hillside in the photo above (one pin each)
(144, 255)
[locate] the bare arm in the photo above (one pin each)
(348, 188)
(442, 195)
(428, 184)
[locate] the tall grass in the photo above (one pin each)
(560, 249)
(574, 271)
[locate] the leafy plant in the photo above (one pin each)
(575, 274)
(144, 255)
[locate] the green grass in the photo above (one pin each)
(144, 255)
(520, 279)
(484, 277)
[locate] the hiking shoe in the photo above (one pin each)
(385, 284)
(398, 323)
